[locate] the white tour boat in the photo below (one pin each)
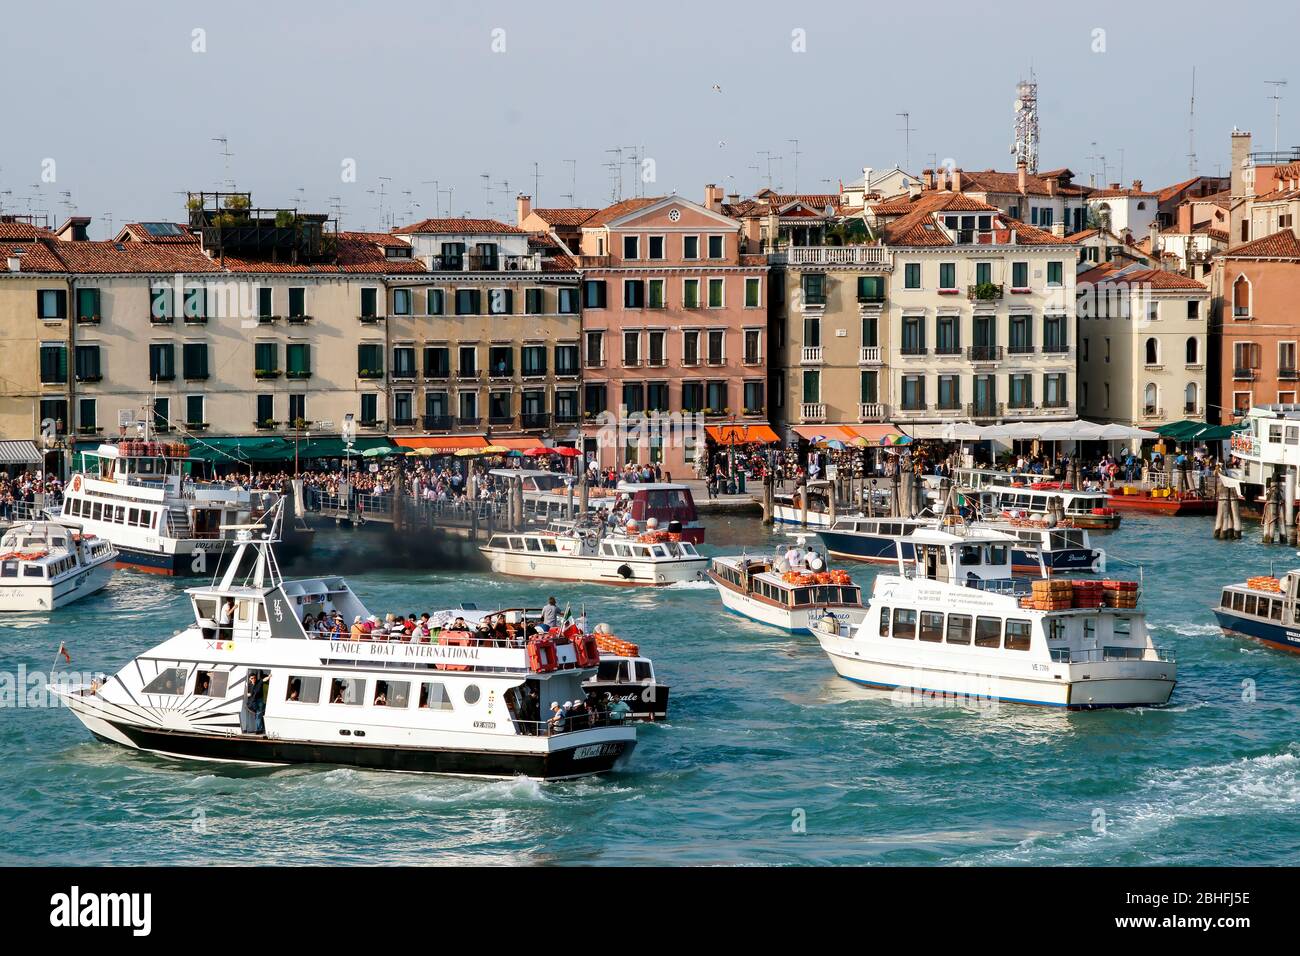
(141, 496)
(954, 622)
(44, 565)
(1001, 494)
(796, 592)
(593, 554)
(261, 690)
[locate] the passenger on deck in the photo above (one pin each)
(556, 723)
(226, 618)
(550, 614)
(459, 624)
(358, 628)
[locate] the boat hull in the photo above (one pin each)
(790, 620)
(1272, 634)
(786, 515)
(48, 597)
(623, 573)
(1161, 506)
(881, 550)
(646, 702)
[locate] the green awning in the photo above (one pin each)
(1187, 430)
(336, 448)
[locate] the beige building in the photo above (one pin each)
(1142, 345)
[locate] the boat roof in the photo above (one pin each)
(631, 486)
(972, 536)
(526, 473)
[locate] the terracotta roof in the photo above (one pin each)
(992, 181)
(133, 257)
(459, 226)
(13, 230)
(1120, 193)
(1283, 244)
(141, 232)
(356, 252)
(605, 216)
(918, 227)
(34, 256)
(1083, 234)
(565, 216)
(1158, 279)
(559, 264)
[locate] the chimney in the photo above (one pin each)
(928, 176)
(914, 188)
(1051, 186)
(523, 208)
(14, 264)
(866, 180)
(1153, 231)
(1058, 230)
(1240, 156)
(1137, 185)
(713, 197)
(1022, 173)
(956, 180)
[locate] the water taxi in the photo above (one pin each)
(142, 496)
(1263, 609)
(1000, 494)
(550, 497)
(626, 675)
(45, 565)
(591, 553)
(260, 690)
(1039, 548)
(796, 592)
(953, 622)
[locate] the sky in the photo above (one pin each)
(389, 112)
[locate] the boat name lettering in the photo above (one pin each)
(440, 651)
(485, 725)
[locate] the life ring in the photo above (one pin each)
(76, 483)
(625, 572)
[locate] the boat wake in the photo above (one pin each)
(690, 586)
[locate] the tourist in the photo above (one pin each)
(225, 621)
(556, 723)
(550, 614)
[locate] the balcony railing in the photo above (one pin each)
(913, 350)
(811, 355)
(984, 409)
(947, 350)
(984, 353)
(535, 420)
(468, 374)
(857, 255)
(403, 421)
(1152, 411)
(473, 262)
(437, 423)
(1023, 349)
(502, 418)
(1287, 374)
(468, 421)
(437, 373)
(812, 411)
(869, 355)
(1056, 348)
(368, 319)
(1243, 374)
(871, 412)
(566, 418)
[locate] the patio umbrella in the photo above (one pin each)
(861, 442)
(514, 453)
(494, 450)
(836, 444)
(537, 452)
(564, 451)
(895, 438)
(421, 453)
(468, 452)
(381, 451)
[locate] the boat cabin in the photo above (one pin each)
(764, 578)
(961, 556)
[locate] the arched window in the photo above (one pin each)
(1150, 396)
(1241, 298)
(1193, 351)
(1142, 204)
(1190, 394)
(1153, 351)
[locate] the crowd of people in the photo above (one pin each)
(21, 491)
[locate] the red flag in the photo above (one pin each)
(64, 651)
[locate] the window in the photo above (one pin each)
(87, 305)
(369, 303)
(754, 398)
(753, 346)
(871, 288)
(1152, 351)
(715, 293)
(297, 302)
(691, 347)
(501, 302)
(1193, 309)
(1055, 272)
(655, 293)
(194, 410)
(392, 693)
(947, 340)
(468, 413)
(904, 623)
(593, 294)
(87, 363)
(1054, 390)
(656, 247)
(690, 293)
(595, 349)
(716, 397)
(1022, 334)
(913, 335)
(717, 339)
(452, 255)
(86, 416)
(1021, 391)
(1191, 396)
(633, 294)
(567, 299)
(690, 247)
(912, 275)
(947, 276)
(533, 361)
(656, 396)
(265, 409)
(949, 392)
(594, 398)
(434, 697)
(631, 247)
(298, 410)
(347, 690)
(812, 387)
(303, 690)
(814, 288)
(266, 359)
(170, 680)
(52, 303)
(631, 349)
(983, 273)
(753, 293)
(988, 632)
(1017, 636)
(658, 355)
(717, 247)
(633, 397)
(534, 301)
(467, 361)
(884, 622)
(692, 396)
(437, 361)
(194, 360)
(959, 629)
(369, 408)
(1054, 338)
(264, 303)
(370, 360)
(913, 393)
(54, 363)
(931, 626)
(467, 302)
(162, 362)
(1020, 275)
(298, 359)
(162, 414)
(501, 361)
(566, 360)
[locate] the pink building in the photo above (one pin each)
(674, 319)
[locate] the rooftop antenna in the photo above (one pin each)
(795, 144)
(573, 182)
(225, 155)
(1026, 108)
(1276, 97)
(449, 190)
(383, 192)
(907, 130)
(336, 207)
(1191, 129)
(634, 158)
(537, 182)
(615, 167)
(1121, 166)
(487, 193)
(108, 217)
(436, 193)
(767, 157)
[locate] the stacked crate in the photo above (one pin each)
(1120, 593)
(1053, 594)
(1087, 593)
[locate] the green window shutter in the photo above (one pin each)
(297, 302)
(298, 359)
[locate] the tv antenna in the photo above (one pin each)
(1276, 97)
(225, 155)
(573, 182)
(907, 130)
(436, 192)
(795, 144)
(1026, 109)
(1191, 129)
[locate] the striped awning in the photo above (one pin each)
(19, 452)
(443, 443)
(742, 434)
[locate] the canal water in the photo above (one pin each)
(768, 757)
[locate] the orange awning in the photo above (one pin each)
(447, 443)
(516, 444)
(727, 434)
(826, 432)
(873, 433)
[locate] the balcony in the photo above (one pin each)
(370, 373)
(501, 262)
(371, 423)
(595, 362)
(812, 411)
(531, 420)
(1057, 348)
(984, 292)
(161, 319)
(871, 412)
(1287, 375)
(869, 355)
(913, 351)
(1153, 412)
(467, 374)
(299, 319)
(403, 374)
(1241, 312)
(369, 319)
(1243, 374)
(298, 373)
(266, 425)
(984, 410)
(1020, 350)
(631, 361)
(502, 374)
(908, 409)
(261, 319)
(501, 418)
(566, 372)
(1193, 411)
(984, 353)
(566, 418)
(716, 360)
(857, 255)
(468, 421)
(533, 373)
(947, 350)
(266, 373)
(403, 422)
(88, 320)
(437, 373)
(437, 423)
(810, 355)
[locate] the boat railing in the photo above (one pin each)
(1008, 586)
(1096, 655)
(567, 725)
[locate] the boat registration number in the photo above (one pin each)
(596, 750)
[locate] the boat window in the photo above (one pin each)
(932, 626)
(958, 628)
(802, 596)
(517, 544)
(433, 696)
(1122, 626)
(1238, 599)
(970, 554)
(641, 551)
(33, 571)
(623, 550)
(1226, 600)
(884, 622)
(471, 693)
(659, 551)
(643, 670)
(1017, 636)
(498, 541)
(988, 631)
(1275, 611)
(997, 554)
(1055, 629)
(347, 690)
(607, 670)
(170, 680)
(392, 693)
(121, 514)
(303, 690)
(97, 511)
(904, 623)
(1250, 604)
(9, 569)
(548, 544)
(689, 549)
(532, 544)
(211, 683)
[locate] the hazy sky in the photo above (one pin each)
(115, 94)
